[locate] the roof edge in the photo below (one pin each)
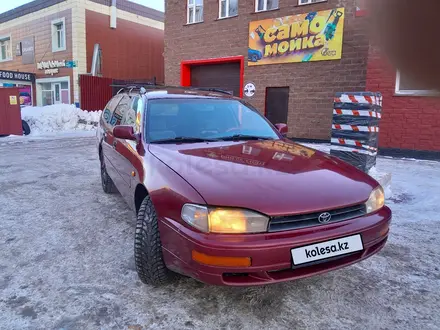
(27, 8)
(124, 5)
(135, 8)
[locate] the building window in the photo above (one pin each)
(309, 2)
(59, 35)
(195, 11)
(5, 49)
(405, 86)
(228, 8)
(262, 5)
(53, 91)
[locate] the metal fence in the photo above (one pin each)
(95, 92)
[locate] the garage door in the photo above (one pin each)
(224, 76)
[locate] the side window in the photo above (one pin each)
(120, 111)
(131, 114)
(107, 115)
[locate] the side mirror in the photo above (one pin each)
(282, 128)
(125, 132)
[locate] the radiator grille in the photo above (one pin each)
(290, 222)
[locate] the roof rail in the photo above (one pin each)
(206, 89)
(149, 85)
(212, 89)
(130, 85)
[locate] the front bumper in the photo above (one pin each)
(270, 252)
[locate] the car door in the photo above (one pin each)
(126, 150)
(108, 121)
(114, 149)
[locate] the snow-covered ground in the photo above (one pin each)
(66, 259)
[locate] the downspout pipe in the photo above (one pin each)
(113, 15)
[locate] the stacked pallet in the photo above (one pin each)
(355, 128)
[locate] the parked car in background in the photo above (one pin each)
(223, 196)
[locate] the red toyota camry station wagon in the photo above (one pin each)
(221, 195)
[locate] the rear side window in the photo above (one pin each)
(120, 111)
(131, 115)
(107, 114)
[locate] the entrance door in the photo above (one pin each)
(277, 104)
(56, 90)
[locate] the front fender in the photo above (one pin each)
(167, 189)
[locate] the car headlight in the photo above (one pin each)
(224, 220)
(376, 200)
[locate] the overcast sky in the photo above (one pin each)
(6, 5)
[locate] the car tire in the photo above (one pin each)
(107, 183)
(148, 255)
(26, 128)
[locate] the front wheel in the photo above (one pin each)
(148, 255)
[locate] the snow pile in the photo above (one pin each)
(59, 118)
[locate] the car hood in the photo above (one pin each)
(272, 177)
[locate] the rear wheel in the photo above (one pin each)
(148, 255)
(107, 183)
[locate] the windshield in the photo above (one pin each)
(204, 119)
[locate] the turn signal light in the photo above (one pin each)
(384, 231)
(221, 261)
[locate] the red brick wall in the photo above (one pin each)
(408, 122)
(312, 85)
(131, 51)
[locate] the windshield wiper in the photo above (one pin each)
(238, 137)
(185, 139)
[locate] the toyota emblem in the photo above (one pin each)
(324, 217)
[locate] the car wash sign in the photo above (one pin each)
(314, 36)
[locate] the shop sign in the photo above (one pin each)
(21, 76)
(51, 65)
(52, 71)
(71, 64)
(28, 50)
(314, 36)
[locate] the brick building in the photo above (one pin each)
(46, 44)
(296, 69)
(201, 48)
(411, 115)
